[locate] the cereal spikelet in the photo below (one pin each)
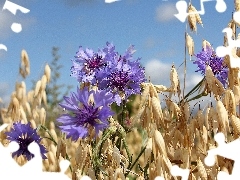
(229, 101)
(237, 5)
(201, 169)
(161, 88)
(232, 25)
(236, 92)
(222, 117)
(24, 70)
(145, 94)
(160, 142)
(43, 82)
(153, 91)
(198, 18)
(175, 84)
(192, 20)
(190, 44)
(37, 88)
(186, 111)
(157, 110)
(47, 72)
(51, 157)
(42, 116)
(205, 43)
(61, 148)
(236, 124)
(148, 151)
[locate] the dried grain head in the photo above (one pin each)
(116, 156)
(232, 25)
(47, 72)
(42, 116)
(236, 124)
(157, 112)
(37, 88)
(213, 84)
(51, 125)
(51, 157)
(81, 155)
(54, 134)
(153, 91)
(198, 18)
(192, 20)
(61, 148)
(43, 82)
(91, 173)
(237, 5)
(158, 138)
(225, 40)
(201, 169)
(236, 92)
(190, 44)
(24, 58)
(175, 84)
(14, 108)
(222, 117)
(205, 43)
(148, 151)
(118, 175)
(24, 70)
(23, 116)
(229, 102)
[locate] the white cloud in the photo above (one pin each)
(165, 12)
(158, 71)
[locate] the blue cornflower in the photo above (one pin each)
(88, 63)
(208, 57)
(86, 109)
(24, 135)
(122, 77)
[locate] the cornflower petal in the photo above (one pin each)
(95, 114)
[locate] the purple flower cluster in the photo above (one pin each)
(24, 135)
(85, 112)
(208, 57)
(120, 75)
(116, 77)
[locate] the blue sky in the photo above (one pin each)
(148, 24)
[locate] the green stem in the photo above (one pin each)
(197, 96)
(97, 151)
(193, 90)
(128, 152)
(139, 155)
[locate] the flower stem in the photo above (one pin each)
(97, 152)
(136, 160)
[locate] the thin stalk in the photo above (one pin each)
(197, 96)
(128, 152)
(185, 61)
(193, 90)
(139, 155)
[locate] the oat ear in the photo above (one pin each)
(190, 44)
(192, 20)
